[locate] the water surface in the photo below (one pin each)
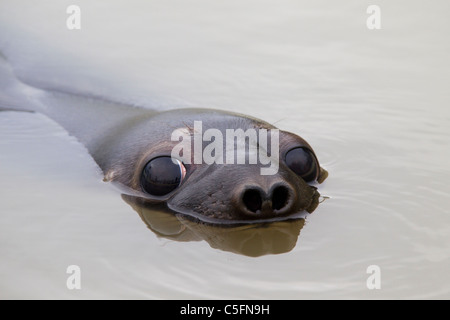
(374, 104)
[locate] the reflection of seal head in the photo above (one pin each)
(211, 191)
(249, 240)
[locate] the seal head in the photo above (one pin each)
(215, 192)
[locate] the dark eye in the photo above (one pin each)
(303, 162)
(161, 176)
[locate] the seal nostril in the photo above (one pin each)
(252, 200)
(280, 198)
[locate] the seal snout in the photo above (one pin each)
(256, 202)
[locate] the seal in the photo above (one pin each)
(133, 147)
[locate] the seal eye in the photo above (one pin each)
(161, 176)
(303, 162)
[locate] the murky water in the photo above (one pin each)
(374, 104)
